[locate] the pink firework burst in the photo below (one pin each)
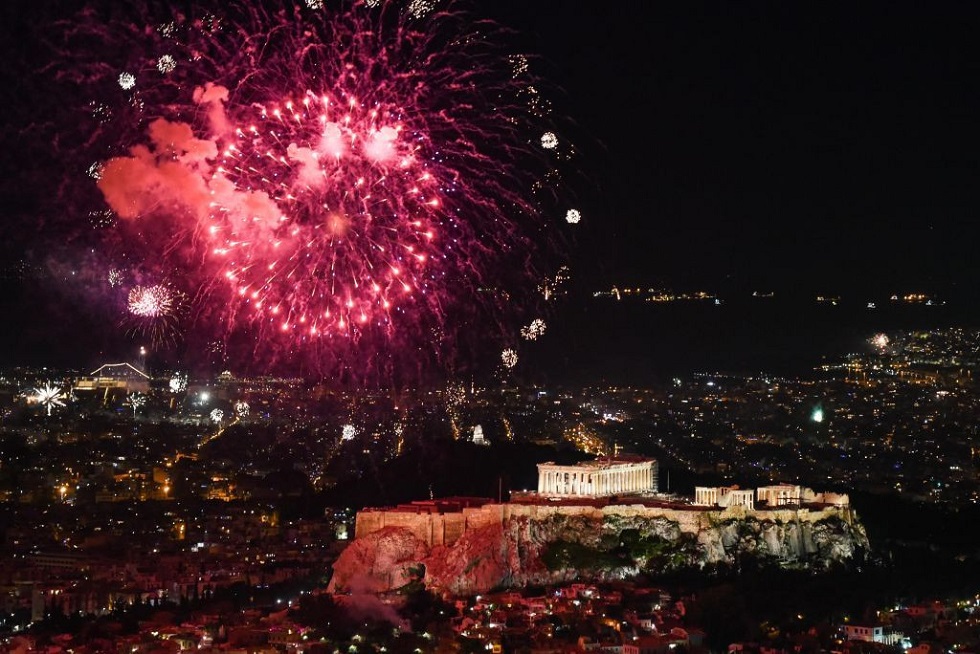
(154, 311)
(347, 186)
(154, 301)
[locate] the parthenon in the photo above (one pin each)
(598, 478)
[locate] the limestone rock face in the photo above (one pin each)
(517, 550)
(378, 562)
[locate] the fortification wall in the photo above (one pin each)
(447, 528)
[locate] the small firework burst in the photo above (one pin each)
(519, 64)
(178, 383)
(127, 81)
(509, 358)
(534, 330)
(553, 287)
(573, 216)
(166, 64)
(95, 170)
(314, 4)
(101, 219)
(242, 409)
(100, 112)
(880, 342)
(549, 141)
(419, 8)
(150, 301)
(217, 415)
(135, 401)
(49, 396)
(114, 277)
(154, 311)
(348, 432)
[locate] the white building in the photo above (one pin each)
(724, 496)
(598, 478)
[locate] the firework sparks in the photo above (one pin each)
(334, 192)
(154, 311)
(509, 358)
(880, 342)
(150, 301)
(166, 64)
(49, 396)
(136, 401)
(217, 415)
(127, 81)
(348, 432)
(178, 383)
(573, 216)
(534, 330)
(242, 409)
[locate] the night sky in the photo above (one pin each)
(827, 148)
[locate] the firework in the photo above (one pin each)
(135, 400)
(348, 432)
(552, 287)
(114, 277)
(150, 301)
(509, 358)
(178, 383)
(534, 330)
(242, 409)
(573, 216)
(166, 64)
(154, 311)
(880, 342)
(127, 81)
(217, 415)
(351, 177)
(49, 396)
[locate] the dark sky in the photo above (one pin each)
(733, 146)
(773, 144)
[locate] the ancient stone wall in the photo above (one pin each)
(447, 528)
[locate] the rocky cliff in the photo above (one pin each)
(600, 545)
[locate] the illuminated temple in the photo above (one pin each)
(599, 478)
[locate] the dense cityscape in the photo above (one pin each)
(132, 497)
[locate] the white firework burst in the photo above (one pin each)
(217, 415)
(573, 216)
(48, 396)
(178, 383)
(127, 81)
(509, 358)
(348, 432)
(535, 330)
(166, 64)
(549, 141)
(242, 409)
(135, 401)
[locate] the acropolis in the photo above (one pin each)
(598, 478)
